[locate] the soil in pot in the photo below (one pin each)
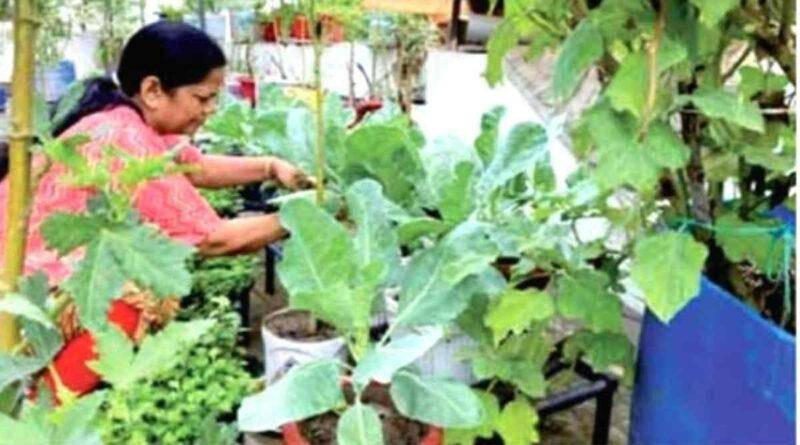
(298, 326)
(397, 430)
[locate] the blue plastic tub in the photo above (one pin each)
(717, 374)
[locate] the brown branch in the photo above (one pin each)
(739, 61)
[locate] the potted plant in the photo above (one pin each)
(348, 271)
(692, 140)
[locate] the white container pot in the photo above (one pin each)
(282, 354)
(446, 358)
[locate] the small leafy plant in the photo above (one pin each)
(177, 406)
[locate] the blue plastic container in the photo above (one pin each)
(717, 374)
(3, 99)
(54, 81)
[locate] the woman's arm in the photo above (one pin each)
(216, 171)
(242, 235)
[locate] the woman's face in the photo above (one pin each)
(184, 109)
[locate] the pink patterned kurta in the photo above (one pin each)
(172, 203)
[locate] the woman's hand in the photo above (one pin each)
(288, 175)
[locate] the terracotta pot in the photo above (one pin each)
(293, 436)
(334, 31)
(272, 30)
(301, 29)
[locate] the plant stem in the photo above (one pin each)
(19, 158)
(652, 68)
(320, 157)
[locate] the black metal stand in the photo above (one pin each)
(598, 386)
(272, 254)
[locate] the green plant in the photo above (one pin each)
(350, 264)
(693, 99)
(226, 202)
(118, 249)
(677, 122)
(223, 276)
(176, 407)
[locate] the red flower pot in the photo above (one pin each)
(293, 436)
(71, 363)
(301, 29)
(247, 89)
(272, 30)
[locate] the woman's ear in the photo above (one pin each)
(151, 93)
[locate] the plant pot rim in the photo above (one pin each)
(287, 310)
(292, 435)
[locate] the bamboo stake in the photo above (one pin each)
(320, 148)
(20, 138)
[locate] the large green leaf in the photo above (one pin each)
(152, 260)
(383, 361)
(435, 401)
(394, 161)
(469, 249)
(304, 392)
(517, 423)
(515, 310)
(75, 423)
(486, 142)
(375, 240)
(64, 232)
(429, 287)
(602, 351)
(412, 229)
(754, 80)
(71, 424)
(468, 436)
(628, 89)
(359, 425)
(158, 353)
(622, 159)
(13, 368)
(712, 11)
(139, 254)
(456, 200)
(425, 298)
(96, 281)
(667, 268)
(20, 305)
(719, 104)
(519, 360)
(523, 148)
(581, 49)
(344, 307)
(502, 40)
(319, 254)
(756, 242)
(584, 295)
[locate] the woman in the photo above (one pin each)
(170, 75)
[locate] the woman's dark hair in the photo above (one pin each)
(176, 53)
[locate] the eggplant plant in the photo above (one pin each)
(336, 271)
(690, 142)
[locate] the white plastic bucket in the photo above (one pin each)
(282, 354)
